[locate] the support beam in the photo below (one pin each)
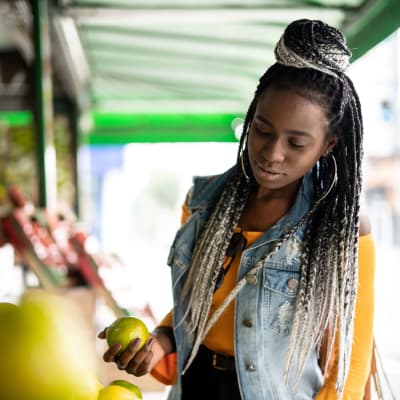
(43, 107)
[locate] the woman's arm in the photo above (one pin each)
(158, 356)
(165, 369)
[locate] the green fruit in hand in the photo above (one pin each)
(125, 329)
(116, 392)
(133, 388)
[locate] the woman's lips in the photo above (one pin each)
(268, 171)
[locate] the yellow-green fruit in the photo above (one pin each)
(90, 388)
(45, 349)
(123, 330)
(116, 392)
(129, 385)
(5, 308)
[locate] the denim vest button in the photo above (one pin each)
(250, 367)
(248, 323)
(251, 279)
(292, 283)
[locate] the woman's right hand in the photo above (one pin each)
(140, 362)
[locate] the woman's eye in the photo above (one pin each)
(297, 145)
(261, 132)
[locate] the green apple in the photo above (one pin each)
(129, 385)
(116, 392)
(123, 330)
(45, 349)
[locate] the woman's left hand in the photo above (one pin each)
(131, 360)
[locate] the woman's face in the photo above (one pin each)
(287, 137)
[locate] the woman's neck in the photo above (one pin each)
(265, 207)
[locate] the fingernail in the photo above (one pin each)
(117, 346)
(150, 343)
(134, 343)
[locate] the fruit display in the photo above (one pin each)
(124, 329)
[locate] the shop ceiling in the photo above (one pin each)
(199, 57)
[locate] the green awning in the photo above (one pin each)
(183, 70)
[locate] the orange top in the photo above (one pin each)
(363, 330)
(165, 371)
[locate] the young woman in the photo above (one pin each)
(273, 263)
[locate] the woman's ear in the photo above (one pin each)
(330, 144)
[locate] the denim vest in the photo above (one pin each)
(268, 299)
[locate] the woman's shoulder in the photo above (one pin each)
(206, 189)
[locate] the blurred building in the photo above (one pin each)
(376, 77)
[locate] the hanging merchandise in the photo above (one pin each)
(53, 247)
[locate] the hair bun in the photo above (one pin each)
(313, 44)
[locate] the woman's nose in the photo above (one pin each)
(274, 151)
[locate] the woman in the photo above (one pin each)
(265, 267)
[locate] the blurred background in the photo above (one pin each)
(109, 108)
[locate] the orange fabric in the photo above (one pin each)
(185, 213)
(363, 331)
(167, 320)
(166, 370)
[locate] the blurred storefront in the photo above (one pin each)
(377, 78)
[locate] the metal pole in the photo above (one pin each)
(43, 107)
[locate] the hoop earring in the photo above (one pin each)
(334, 180)
(244, 168)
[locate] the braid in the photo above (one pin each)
(209, 253)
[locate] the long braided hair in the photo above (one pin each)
(311, 60)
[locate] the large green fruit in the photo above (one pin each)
(5, 308)
(45, 349)
(90, 388)
(123, 330)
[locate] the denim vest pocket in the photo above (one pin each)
(281, 283)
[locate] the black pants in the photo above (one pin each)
(204, 382)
